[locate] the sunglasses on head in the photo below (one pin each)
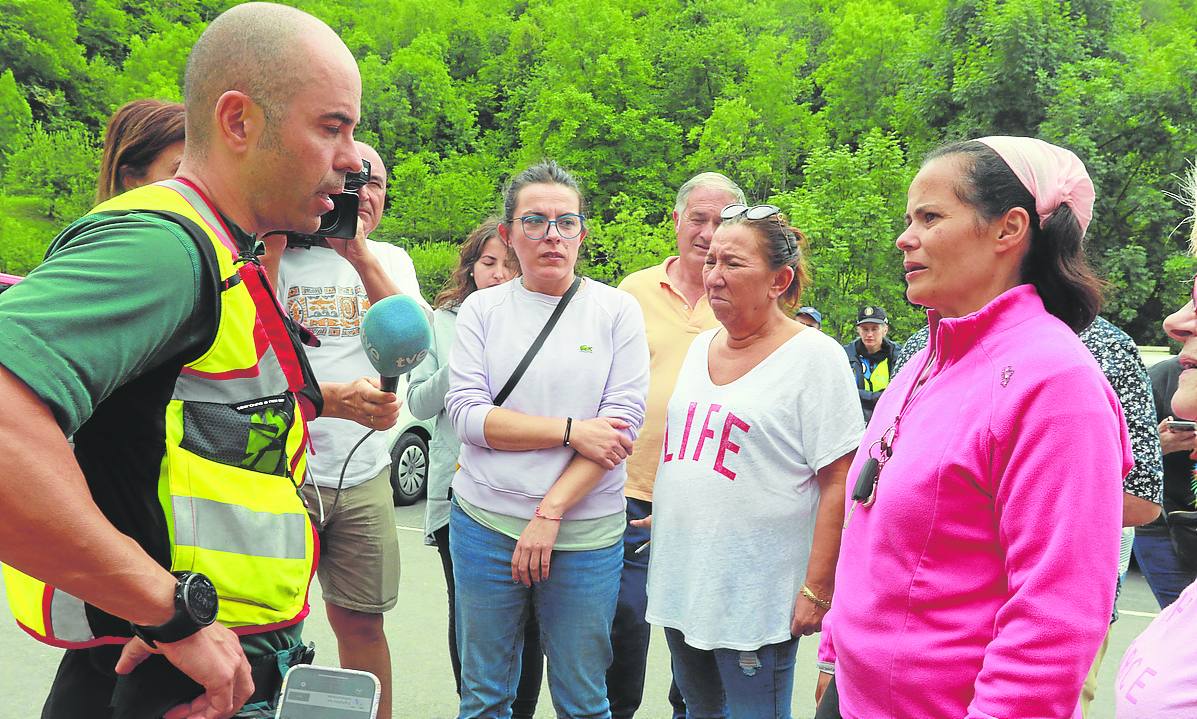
(756, 212)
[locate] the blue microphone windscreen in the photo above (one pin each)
(396, 335)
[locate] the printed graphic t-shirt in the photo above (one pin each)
(736, 495)
(322, 291)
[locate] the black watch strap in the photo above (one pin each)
(195, 608)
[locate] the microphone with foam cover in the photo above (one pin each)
(396, 337)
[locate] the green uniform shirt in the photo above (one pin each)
(118, 298)
(126, 299)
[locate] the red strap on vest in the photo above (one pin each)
(271, 317)
(270, 314)
(222, 232)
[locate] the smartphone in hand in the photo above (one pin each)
(1180, 425)
(311, 692)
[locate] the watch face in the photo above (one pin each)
(200, 597)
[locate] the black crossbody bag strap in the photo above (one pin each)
(514, 379)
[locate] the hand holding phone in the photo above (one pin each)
(311, 692)
(1177, 436)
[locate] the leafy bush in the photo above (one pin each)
(15, 116)
(24, 234)
(626, 244)
(58, 166)
(434, 262)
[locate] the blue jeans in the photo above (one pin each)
(723, 683)
(630, 632)
(574, 606)
(532, 661)
(1164, 573)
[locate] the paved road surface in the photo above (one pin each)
(416, 629)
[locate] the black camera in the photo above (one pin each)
(341, 221)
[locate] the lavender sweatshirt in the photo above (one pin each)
(594, 364)
(978, 584)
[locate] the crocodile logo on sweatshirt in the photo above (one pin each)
(585, 348)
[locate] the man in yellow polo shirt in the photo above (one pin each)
(675, 308)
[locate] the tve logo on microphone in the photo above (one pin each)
(402, 364)
(396, 336)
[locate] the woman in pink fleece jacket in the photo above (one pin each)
(976, 583)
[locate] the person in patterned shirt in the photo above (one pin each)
(1119, 360)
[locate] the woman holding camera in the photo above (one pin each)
(975, 572)
(538, 509)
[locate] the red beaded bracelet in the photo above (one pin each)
(542, 515)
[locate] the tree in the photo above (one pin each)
(58, 166)
(873, 72)
(411, 102)
(154, 66)
(850, 209)
(1130, 119)
(628, 242)
(15, 115)
(1005, 57)
(825, 105)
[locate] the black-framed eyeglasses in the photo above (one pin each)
(756, 212)
(536, 227)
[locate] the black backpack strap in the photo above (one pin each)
(514, 379)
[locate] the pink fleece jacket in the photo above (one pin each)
(979, 583)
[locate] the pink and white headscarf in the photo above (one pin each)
(1054, 176)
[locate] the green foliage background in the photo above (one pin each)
(822, 106)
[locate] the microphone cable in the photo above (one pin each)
(340, 483)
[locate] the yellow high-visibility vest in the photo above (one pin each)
(878, 379)
(235, 453)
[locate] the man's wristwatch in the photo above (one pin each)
(195, 608)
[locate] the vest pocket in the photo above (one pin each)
(251, 435)
(247, 531)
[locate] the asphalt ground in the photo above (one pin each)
(416, 630)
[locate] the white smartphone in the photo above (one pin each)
(311, 692)
(1180, 425)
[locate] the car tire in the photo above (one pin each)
(409, 469)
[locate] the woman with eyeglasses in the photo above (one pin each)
(538, 509)
(1158, 675)
(749, 494)
(484, 261)
(983, 526)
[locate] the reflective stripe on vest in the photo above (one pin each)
(224, 527)
(193, 387)
(235, 438)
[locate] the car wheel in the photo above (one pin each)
(409, 469)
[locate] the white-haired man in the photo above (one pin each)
(675, 307)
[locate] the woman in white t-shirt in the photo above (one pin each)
(749, 495)
(1158, 675)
